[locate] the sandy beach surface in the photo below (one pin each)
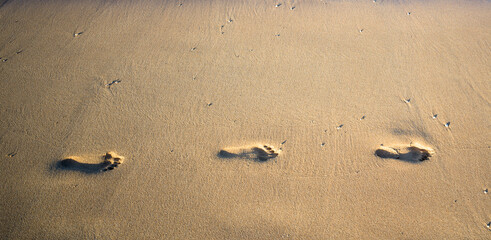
(245, 119)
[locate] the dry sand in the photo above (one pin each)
(242, 120)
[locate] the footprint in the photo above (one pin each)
(259, 152)
(413, 153)
(108, 161)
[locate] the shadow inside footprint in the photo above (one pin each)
(225, 154)
(415, 154)
(386, 153)
(263, 155)
(74, 165)
(410, 154)
(109, 161)
(256, 153)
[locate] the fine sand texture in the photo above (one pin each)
(238, 119)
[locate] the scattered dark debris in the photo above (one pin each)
(113, 82)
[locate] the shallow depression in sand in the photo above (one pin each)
(413, 153)
(258, 152)
(106, 162)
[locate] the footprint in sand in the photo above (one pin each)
(103, 163)
(413, 153)
(259, 152)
